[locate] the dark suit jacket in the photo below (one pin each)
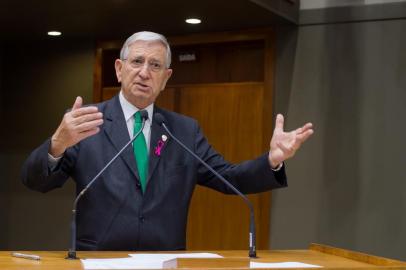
(114, 214)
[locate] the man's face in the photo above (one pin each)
(143, 75)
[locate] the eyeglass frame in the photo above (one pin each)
(150, 64)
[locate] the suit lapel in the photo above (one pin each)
(157, 146)
(117, 132)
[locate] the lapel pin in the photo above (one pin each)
(164, 137)
(158, 148)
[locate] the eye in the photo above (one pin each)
(137, 62)
(155, 65)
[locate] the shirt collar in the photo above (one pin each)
(129, 109)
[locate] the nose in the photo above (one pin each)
(144, 71)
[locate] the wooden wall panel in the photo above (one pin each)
(167, 99)
(219, 63)
(231, 118)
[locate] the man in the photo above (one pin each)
(141, 202)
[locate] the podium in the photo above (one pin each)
(321, 255)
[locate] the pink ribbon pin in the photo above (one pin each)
(158, 148)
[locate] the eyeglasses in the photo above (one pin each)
(139, 62)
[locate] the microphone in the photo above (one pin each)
(72, 250)
(160, 119)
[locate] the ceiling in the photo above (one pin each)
(110, 19)
(317, 4)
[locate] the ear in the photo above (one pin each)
(118, 64)
(168, 74)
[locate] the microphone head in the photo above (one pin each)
(144, 115)
(159, 118)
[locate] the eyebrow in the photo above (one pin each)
(152, 59)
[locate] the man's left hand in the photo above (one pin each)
(285, 144)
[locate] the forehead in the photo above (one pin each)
(147, 49)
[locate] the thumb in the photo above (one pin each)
(279, 122)
(77, 104)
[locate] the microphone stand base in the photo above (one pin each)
(252, 254)
(71, 256)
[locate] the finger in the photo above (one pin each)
(77, 104)
(304, 128)
(307, 134)
(300, 138)
(89, 133)
(84, 110)
(299, 130)
(279, 122)
(87, 118)
(88, 125)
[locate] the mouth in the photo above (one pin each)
(141, 86)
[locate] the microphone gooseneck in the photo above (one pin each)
(159, 118)
(72, 250)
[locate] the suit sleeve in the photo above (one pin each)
(250, 176)
(36, 174)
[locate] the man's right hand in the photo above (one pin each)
(78, 124)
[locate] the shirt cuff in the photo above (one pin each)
(53, 161)
(278, 168)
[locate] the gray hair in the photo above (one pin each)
(146, 36)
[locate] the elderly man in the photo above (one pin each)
(141, 202)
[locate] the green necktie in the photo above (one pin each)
(140, 151)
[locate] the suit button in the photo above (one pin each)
(138, 184)
(142, 218)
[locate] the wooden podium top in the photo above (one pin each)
(325, 256)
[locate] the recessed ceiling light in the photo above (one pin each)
(54, 33)
(193, 21)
